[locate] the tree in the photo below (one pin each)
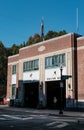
(36, 38)
(62, 33)
(14, 49)
(52, 34)
(3, 63)
(30, 41)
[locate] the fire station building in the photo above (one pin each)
(48, 72)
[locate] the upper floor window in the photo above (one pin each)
(14, 69)
(55, 61)
(31, 65)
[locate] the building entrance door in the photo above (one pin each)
(53, 94)
(31, 94)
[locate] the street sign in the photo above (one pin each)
(66, 77)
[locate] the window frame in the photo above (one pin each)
(14, 69)
(55, 61)
(13, 93)
(31, 65)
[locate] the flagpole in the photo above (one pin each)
(77, 20)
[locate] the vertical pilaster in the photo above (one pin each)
(42, 77)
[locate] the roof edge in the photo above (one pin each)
(13, 56)
(43, 42)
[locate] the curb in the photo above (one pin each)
(42, 111)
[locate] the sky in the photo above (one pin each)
(20, 19)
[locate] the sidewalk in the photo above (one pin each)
(43, 111)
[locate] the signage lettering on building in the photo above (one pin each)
(53, 78)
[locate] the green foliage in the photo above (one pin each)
(32, 40)
(3, 62)
(52, 34)
(36, 38)
(14, 49)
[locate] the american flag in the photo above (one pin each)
(42, 29)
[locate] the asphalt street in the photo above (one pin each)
(32, 119)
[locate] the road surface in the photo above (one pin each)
(15, 120)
